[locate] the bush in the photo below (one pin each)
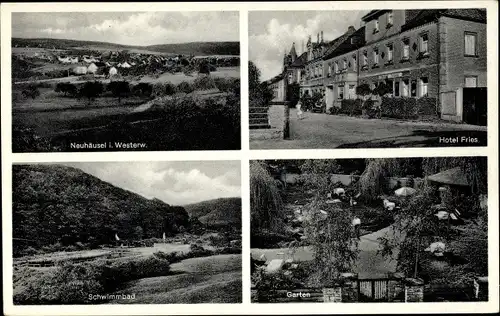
(334, 110)
(427, 106)
(371, 108)
(143, 88)
(31, 92)
(66, 88)
(185, 87)
(119, 89)
(204, 83)
(403, 108)
(351, 107)
(91, 90)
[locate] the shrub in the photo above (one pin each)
(185, 87)
(403, 108)
(31, 91)
(334, 110)
(204, 83)
(119, 89)
(427, 106)
(66, 88)
(351, 107)
(91, 90)
(143, 88)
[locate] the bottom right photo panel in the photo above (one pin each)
(369, 230)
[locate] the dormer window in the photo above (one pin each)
(329, 70)
(336, 67)
(376, 28)
(390, 20)
(354, 62)
(344, 64)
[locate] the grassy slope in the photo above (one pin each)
(218, 211)
(194, 48)
(215, 279)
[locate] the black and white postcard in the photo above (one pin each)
(209, 158)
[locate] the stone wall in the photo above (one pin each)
(414, 290)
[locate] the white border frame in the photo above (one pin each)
(245, 155)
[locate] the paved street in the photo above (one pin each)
(323, 131)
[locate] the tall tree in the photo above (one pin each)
(266, 204)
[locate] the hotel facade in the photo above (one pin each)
(439, 55)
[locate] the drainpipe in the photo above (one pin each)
(438, 99)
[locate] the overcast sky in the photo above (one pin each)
(175, 183)
(273, 32)
(129, 28)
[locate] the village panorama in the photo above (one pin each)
(369, 230)
(87, 87)
(126, 233)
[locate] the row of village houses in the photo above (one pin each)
(133, 59)
(421, 53)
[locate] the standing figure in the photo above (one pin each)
(356, 223)
(299, 111)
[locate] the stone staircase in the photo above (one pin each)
(259, 118)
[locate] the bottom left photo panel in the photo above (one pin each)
(162, 232)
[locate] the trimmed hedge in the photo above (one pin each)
(351, 107)
(408, 108)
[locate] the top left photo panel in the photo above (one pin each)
(125, 81)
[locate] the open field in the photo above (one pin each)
(214, 279)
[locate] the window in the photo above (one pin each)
(375, 56)
(424, 39)
(290, 78)
(396, 88)
(406, 49)
(405, 87)
(471, 82)
(413, 88)
(390, 50)
(423, 86)
(376, 29)
(352, 91)
(336, 67)
(354, 62)
(329, 70)
(470, 44)
(365, 58)
(344, 64)
(340, 94)
(390, 19)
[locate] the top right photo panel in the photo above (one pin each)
(367, 79)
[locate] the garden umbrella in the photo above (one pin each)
(405, 191)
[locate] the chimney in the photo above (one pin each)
(317, 38)
(321, 36)
(303, 47)
(351, 29)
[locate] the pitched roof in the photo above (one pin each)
(425, 16)
(454, 176)
(333, 45)
(353, 42)
(299, 61)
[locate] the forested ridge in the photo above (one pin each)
(54, 204)
(217, 212)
